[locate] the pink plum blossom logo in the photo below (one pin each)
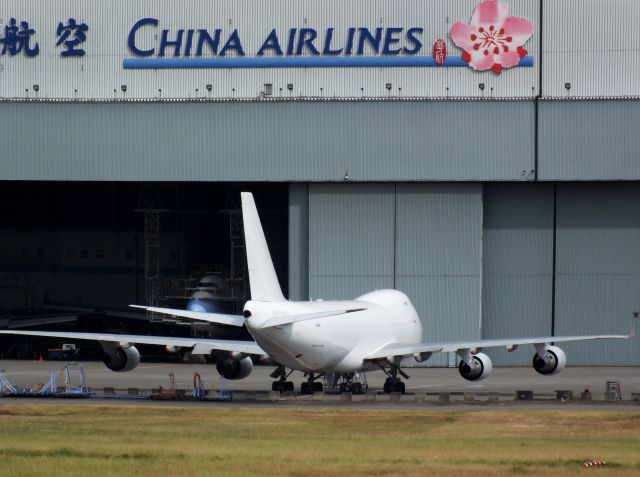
(493, 40)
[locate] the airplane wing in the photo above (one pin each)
(222, 319)
(199, 345)
(409, 350)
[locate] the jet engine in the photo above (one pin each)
(232, 368)
(477, 368)
(551, 361)
(117, 358)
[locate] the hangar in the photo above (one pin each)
(502, 198)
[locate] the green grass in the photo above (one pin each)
(79, 440)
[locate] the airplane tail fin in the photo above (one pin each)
(262, 275)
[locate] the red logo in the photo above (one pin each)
(439, 51)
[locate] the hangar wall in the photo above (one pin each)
(491, 261)
(598, 266)
(464, 185)
(517, 259)
(267, 141)
(589, 140)
(423, 239)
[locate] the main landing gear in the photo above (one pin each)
(311, 385)
(281, 385)
(393, 384)
(354, 383)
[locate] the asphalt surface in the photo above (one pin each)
(505, 381)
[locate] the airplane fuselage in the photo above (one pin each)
(334, 343)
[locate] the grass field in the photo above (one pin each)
(99, 440)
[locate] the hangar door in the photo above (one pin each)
(423, 239)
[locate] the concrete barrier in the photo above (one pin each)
(564, 394)
(346, 397)
(410, 397)
(469, 397)
(275, 395)
(524, 395)
(493, 397)
(444, 397)
(611, 396)
(133, 391)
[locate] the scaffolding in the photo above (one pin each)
(153, 284)
(69, 389)
(238, 265)
(5, 386)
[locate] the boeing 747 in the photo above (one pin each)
(377, 330)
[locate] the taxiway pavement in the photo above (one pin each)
(422, 380)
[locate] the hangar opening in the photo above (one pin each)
(80, 252)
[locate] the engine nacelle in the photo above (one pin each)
(552, 361)
(478, 368)
(231, 368)
(121, 359)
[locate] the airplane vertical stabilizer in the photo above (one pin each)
(262, 276)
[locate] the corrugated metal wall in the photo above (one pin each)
(424, 239)
(593, 46)
(517, 265)
(589, 140)
(479, 260)
(598, 269)
(302, 141)
(298, 242)
(438, 257)
(100, 73)
(351, 236)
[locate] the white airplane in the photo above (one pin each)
(321, 338)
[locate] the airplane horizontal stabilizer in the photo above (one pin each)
(219, 318)
(289, 319)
